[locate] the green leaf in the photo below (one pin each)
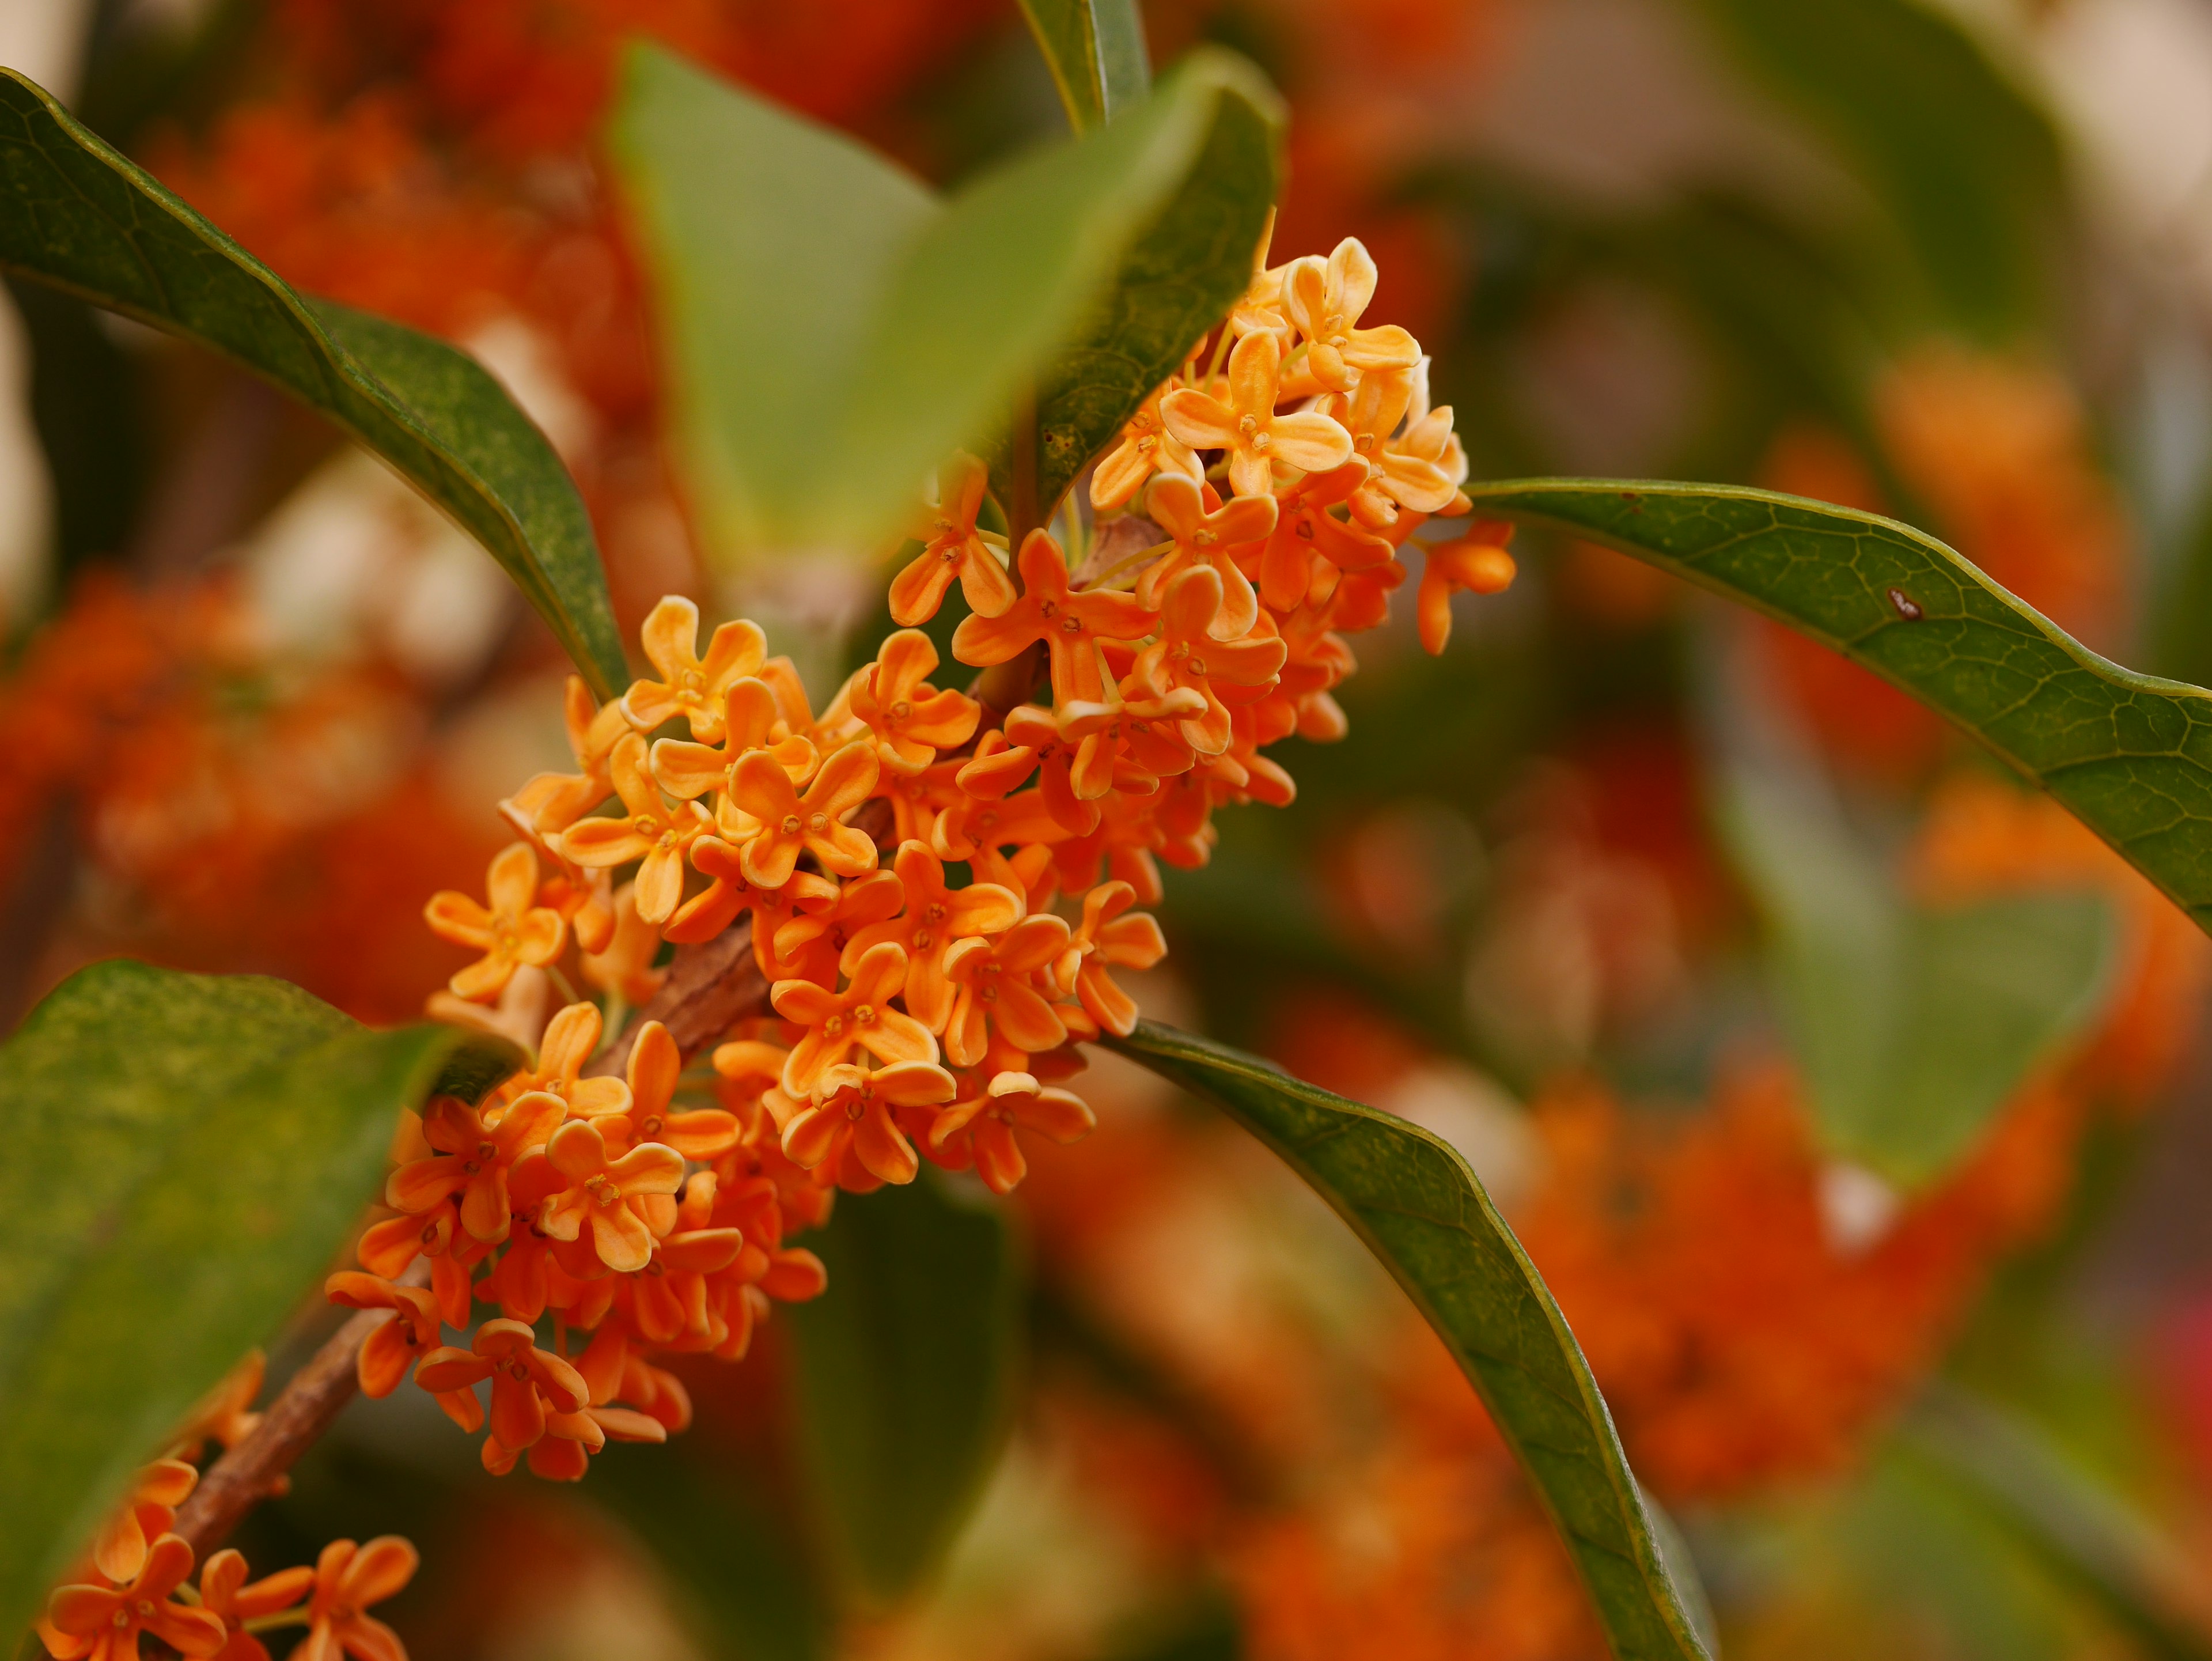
(835, 334)
(1967, 167)
(1419, 1207)
(905, 1374)
(1913, 1024)
(76, 214)
(185, 1154)
(2129, 755)
(1096, 51)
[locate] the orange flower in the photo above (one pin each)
(1255, 437)
(690, 685)
(934, 917)
(752, 720)
(1123, 745)
(119, 1550)
(1476, 562)
(654, 833)
(1012, 1101)
(571, 1038)
(714, 908)
(1031, 741)
(910, 720)
(387, 1249)
(347, 1579)
(861, 902)
(1109, 939)
(110, 1618)
(1420, 469)
(514, 930)
(626, 967)
(1187, 654)
(860, 1017)
(1307, 533)
(224, 1595)
(996, 991)
(1324, 299)
(951, 546)
(473, 1160)
(396, 1345)
(855, 1109)
(785, 825)
(603, 1192)
(1206, 532)
(655, 1066)
(1146, 447)
(1065, 621)
(526, 1382)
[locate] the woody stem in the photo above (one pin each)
(307, 1405)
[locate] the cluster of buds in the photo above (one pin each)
(137, 1578)
(939, 894)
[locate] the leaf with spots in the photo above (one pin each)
(76, 214)
(1419, 1207)
(2129, 755)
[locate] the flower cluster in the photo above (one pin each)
(136, 1577)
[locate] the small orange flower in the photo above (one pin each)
(1205, 532)
(690, 685)
(1476, 562)
(410, 1334)
(1247, 428)
(934, 917)
(1012, 1101)
(602, 1192)
(1031, 741)
(860, 1017)
(855, 1109)
(473, 1159)
(1187, 654)
(526, 1382)
(119, 1550)
(110, 1618)
(225, 1594)
(1067, 621)
(1107, 941)
(753, 719)
(951, 546)
(787, 824)
(347, 1579)
(911, 721)
(1146, 448)
(1419, 469)
(654, 833)
(1323, 299)
(571, 1038)
(861, 902)
(996, 990)
(715, 907)
(1308, 532)
(1122, 744)
(655, 1066)
(514, 930)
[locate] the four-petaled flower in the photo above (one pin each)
(933, 918)
(855, 1109)
(753, 720)
(787, 824)
(347, 1579)
(1068, 622)
(119, 1550)
(859, 1017)
(951, 546)
(910, 721)
(571, 1038)
(1248, 427)
(1323, 299)
(410, 1334)
(1108, 939)
(512, 931)
(1187, 654)
(1012, 1101)
(655, 1066)
(691, 686)
(527, 1382)
(1146, 448)
(652, 833)
(225, 1594)
(600, 1191)
(473, 1159)
(1307, 533)
(1205, 531)
(995, 991)
(108, 1619)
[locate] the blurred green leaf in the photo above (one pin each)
(1913, 1024)
(1421, 1210)
(749, 1596)
(76, 214)
(2083, 1530)
(2129, 755)
(185, 1153)
(835, 336)
(905, 1375)
(1964, 163)
(1096, 51)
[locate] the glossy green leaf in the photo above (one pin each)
(1913, 1024)
(905, 1373)
(1965, 166)
(1419, 1209)
(185, 1154)
(2129, 755)
(835, 334)
(1096, 51)
(78, 215)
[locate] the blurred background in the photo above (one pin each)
(1922, 1384)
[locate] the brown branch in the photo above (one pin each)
(310, 1401)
